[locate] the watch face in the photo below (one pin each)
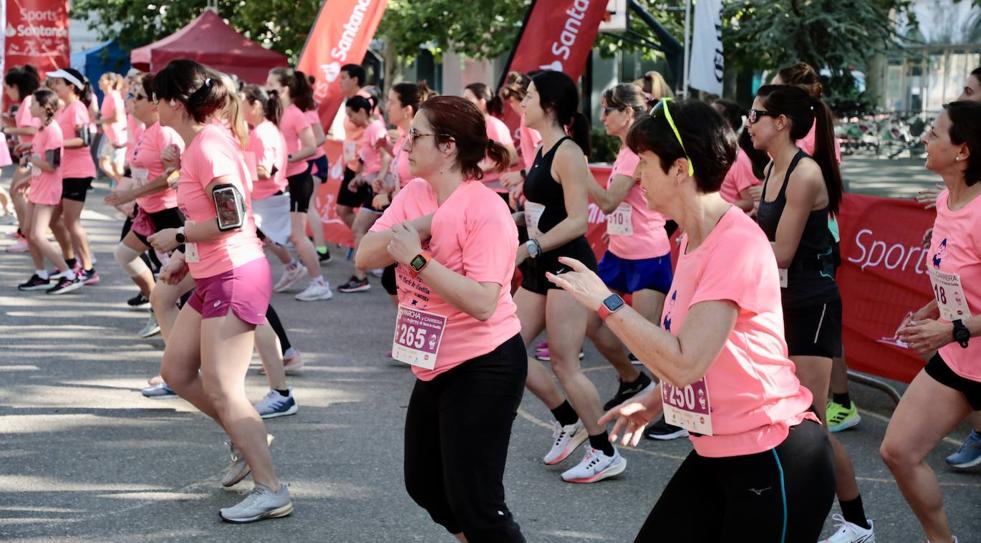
(418, 262)
(613, 302)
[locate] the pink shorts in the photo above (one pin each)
(245, 290)
(44, 190)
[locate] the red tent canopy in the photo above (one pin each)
(210, 41)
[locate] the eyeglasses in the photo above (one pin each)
(661, 106)
(415, 134)
(756, 114)
(610, 109)
(138, 97)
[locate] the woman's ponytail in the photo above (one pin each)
(499, 155)
(824, 152)
(578, 130)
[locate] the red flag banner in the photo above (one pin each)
(341, 35)
(883, 276)
(37, 34)
(558, 35)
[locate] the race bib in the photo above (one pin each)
(190, 249)
(350, 151)
(784, 277)
(688, 407)
(141, 176)
(950, 297)
(533, 214)
(418, 335)
(620, 222)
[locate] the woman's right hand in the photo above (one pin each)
(631, 417)
(171, 157)
(174, 270)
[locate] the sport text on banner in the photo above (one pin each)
(707, 62)
(341, 35)
(37, 34)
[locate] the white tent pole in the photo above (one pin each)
(687, 62)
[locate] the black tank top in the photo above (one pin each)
(542, 188)
(810, 276)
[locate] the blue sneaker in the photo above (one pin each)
(276, 405)
(159, 392)
(969, 454)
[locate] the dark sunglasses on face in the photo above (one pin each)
(756, 114)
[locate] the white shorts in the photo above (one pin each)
(272, 216)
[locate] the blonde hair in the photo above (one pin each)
(654, 85)
(234, 113)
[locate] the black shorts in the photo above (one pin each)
(941, 373)
(814, 329)
(360, 198)
(388, 280)
(162, 220)
(533, 270)
(319, 168)
(301, 189)
(75, 188)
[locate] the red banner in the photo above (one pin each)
(883, 276)
(558, 35)
(37, 34)
(341, 35)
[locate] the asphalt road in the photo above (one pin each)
(84, 457)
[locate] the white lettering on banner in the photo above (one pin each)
(570, 32)
(351, 29)
(33, 16)
(38, 32)
(892, 257)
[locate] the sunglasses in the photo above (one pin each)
(660, 106)
(756, 114)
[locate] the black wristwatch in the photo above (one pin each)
(181, 239)
(961, 334)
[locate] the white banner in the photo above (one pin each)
(707, 62)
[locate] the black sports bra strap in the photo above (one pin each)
(556, 146)
(793, 165)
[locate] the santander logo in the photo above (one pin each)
(331, 71)
(562, 47)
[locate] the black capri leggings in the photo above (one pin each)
(778, 496)
(457, 430)
(273, 318)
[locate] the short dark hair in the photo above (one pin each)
(457, 119)
(965, 129)
(412, 94)
(361, 103)
(25, 80)
(710, 142)
(200, 89)
(355, 71)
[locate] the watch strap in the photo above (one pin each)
(426, 256)
(604, 310)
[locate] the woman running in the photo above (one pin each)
(794, 212)
(77, 168)
(319, 170)
(19, 85)
(741, 186)
(453, 241)
(949, 388)
(556, 190)
(301, 145)
(112, 118)
(761, 470)
(480, 95)
(233, 281)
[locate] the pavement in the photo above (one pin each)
(85, 458)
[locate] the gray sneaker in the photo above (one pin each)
(261, 503)
(238, 468)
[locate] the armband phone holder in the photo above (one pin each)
(229, 207)
(53, 157)
(83, 133)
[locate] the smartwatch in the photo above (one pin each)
(181, 239)
(961, 334)
(610, 305)
(420, 261)
(534, 248)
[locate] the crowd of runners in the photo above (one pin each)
(478, 234)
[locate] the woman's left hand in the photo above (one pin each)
(405, 244)
(926, 336)
(584, 285)
(164, 240)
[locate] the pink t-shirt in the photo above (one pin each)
(474, 235)
(214, 153)
(135, 129)
(369, 148)
(45, 187)
(529, 141)
(111, 103)
(75, 163)
(808, 142)
(956, 248)
(499, 132)
(314, 118)
(291, 125)
(147, 166)
(739, 178)
(24, 119)
(641, 234)
(401, 162)
(752, 390)
(268, 146)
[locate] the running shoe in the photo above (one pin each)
(595, 466)
(377, 272)
(662, 431)
(261, 503)
(290, 277)
(35, 283)
(275, 405)
(542, 353)
(969, 455)
(65, 285)
(19, 246)
(324, 257)
(625, 391)
(238, 468)
(315, 291)
(567, 440)
(158, 392)
(841, 418)
(89, 277)
(138, 302)
(355, 285)
(151, 328)
(850, 533)
(292, 362)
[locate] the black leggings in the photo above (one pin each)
(273, 318)
(778, 496)
(457, 430)
(149, 257)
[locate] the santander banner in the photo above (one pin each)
(558, 35)
(37, 34)
(341, 35)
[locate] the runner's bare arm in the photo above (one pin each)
(802, 194)
(571, 170)
(608, 199)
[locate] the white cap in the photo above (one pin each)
(67, 76)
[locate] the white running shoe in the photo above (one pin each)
(595, 466)
(238, 468)
(567, 440)
(275, 405)
(315, 291)
(261, 503)
(850, 533)
(290, 277)
(151, 329)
